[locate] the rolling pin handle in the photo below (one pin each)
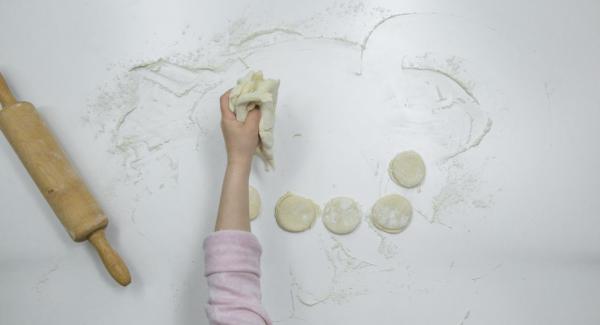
(6, 96)
(111, 259)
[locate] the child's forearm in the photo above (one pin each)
(233, 208)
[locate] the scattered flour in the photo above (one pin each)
(153, 109)
(351, 277)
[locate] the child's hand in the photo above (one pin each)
(241, 138)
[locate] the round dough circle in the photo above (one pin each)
(407, 169)
(341, 215)
(295, 213)
(254, 202)
(392, 213)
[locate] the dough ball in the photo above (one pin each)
(407, 169)
(341, 215)
(295, 213)
(392, 213)
(254, 201)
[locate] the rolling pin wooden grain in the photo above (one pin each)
(58, 181)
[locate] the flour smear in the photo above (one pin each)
(152, 113)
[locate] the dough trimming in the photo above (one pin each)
(295, 213)
(255, 92)
(392, 213)
(341, 215)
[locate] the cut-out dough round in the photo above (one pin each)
(407, 169)
(295, 213)
(392, 213)
(254, 202)
(341, 215)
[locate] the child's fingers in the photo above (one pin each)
(226, 114)
(253, 118)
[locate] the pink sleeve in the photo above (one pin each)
(232, 261)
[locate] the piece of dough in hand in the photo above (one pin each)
(295, 213)
(407, 169)
(341, 215)
(254, 202)
(392, 213)
(251, 92)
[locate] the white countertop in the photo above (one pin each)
(505, 232)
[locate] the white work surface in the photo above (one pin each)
(506, 232)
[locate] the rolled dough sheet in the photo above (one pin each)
(254, 202)
(251, 92)
(407, 169)
(392, 213)
(341, 215)
(295, 213)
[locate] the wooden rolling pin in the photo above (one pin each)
(58, 181)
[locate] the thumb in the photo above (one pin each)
(226, 114)
(253, 118)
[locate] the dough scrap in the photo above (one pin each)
(407, 169)
(295, 213)
(253, 91)
(254, 202)
(341, 215)
(392, 213)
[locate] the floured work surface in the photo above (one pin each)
(476, 92)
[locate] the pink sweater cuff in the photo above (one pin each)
(232, 251)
